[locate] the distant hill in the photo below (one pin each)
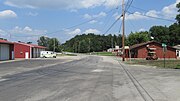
(91, 43)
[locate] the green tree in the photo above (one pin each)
(160, 34)
(137, 37)
(91, 43)
(53, 45)
(50, 43)
(178, 16)
(43, 41)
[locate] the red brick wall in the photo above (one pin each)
(170, 53)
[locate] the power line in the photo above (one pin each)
(152, 17)
(112, 25)
(128, 5)
(120, 28)
(85, 22)
(139, 8)
(108, 18)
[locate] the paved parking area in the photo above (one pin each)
(18, 66)
(91, 78)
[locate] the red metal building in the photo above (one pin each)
(6, 50)
(23, 50)
(140, 50)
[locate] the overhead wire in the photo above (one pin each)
(82, 23)
(112, 25)
(152, 17)
(128, 5)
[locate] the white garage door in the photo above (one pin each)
(4, 52)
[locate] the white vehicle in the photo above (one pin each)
(48, 54)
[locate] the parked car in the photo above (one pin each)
(48, 54)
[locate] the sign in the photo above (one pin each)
(164, 50)
(164, 45)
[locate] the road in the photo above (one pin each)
(89, 78)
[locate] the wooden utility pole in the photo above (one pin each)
(123, 29)
(54, 44)
(89, 45)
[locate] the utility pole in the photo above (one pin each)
(112, 43)
(123, 29)
(89, 45)
(79, 47)
(54, 45)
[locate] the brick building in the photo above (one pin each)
(140, 50)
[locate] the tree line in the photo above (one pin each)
(91, 43)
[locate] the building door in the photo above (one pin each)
(27, 55)
(4, 52)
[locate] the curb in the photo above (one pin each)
(9, 61)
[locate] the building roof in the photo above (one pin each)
(141, 44)
(177, 47)
(146, 43)
(31, 45)
(6, 42)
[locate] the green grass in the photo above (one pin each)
(103, 53)
(174, 64)
(59, 55)
(178, 66)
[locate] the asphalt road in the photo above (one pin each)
(91, 78)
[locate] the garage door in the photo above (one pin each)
(4, 52)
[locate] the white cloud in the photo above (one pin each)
(32, 14)
(7, 14)
(112, 3)
(95, 31)
(171, 10)
(91, 3)
(142, 29)
(87, 16)
(93, 21)
(135, 16)
(2, 33)
(153, 13)
(22, 34)
(62, 4)
(101, 14)
(26, 31)
(168, 12)
(75, 32)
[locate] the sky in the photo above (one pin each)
(27, 20)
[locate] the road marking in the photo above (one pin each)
(1, 79)
(97, 70)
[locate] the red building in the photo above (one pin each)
(23, 50)
(6, 50)
(141, 51)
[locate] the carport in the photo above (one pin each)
(6, 50)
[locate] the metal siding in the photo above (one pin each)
(20, 50)
(4, 52)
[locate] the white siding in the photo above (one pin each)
(4, 52)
